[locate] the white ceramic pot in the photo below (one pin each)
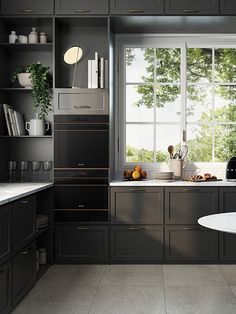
(25, 80)
(37, 127)
(177, 166)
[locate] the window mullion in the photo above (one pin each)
(183, 74)
(154, 106)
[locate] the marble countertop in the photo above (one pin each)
(171, 183)
(225, 222)
(12, 191)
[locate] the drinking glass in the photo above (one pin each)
(12, 170)
(24, 166)
(47, 167)
(35, 167)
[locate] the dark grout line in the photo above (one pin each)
(164, 291)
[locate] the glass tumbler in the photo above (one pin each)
(47, 167)
(24, 167)
(35, 167)
(12, 165)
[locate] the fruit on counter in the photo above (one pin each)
(205, 177)
(136, 175)
(143, 174)
(127, 174)
(137, 168)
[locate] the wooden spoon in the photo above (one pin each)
(171, 151)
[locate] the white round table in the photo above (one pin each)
(225, 222)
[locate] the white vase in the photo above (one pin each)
(37, 127)
(25, 80)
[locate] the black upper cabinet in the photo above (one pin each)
(27, 7)
(5, 233)
(227, 6)
(81, 6)
(193, 7)
(137, 7)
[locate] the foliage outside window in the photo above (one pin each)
(171, 89)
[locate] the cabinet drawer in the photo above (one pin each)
(227, 7)
(27, 7)
(193, 7)
(137, 205)
(81, 243)
(5, 288)
(227, 247)
(5, 233)
(190, 243)
(83, 102)
(23, 272)
(137, 7)
(23, 221)
(134, 243)
(80, 197)
(227, 200)
(187, 205)
(81, 6)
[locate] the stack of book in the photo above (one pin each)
(97, 72)
(14, 121)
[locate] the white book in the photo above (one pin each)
(96, 69)
(20, 127)
(12, 120)
(89, 73)
(7, 117)
(106, 74)
(102, 73)
(94, 74)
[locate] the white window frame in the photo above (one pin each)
(159, 41)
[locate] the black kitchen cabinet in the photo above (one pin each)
(137, 243)
(228, 7)
(227, 240)
(5, 233)
(193, 7)
(137, 205)
(187, 205)
(81, 7)
(23, 221)
(81, 244)
(27, 7)
(190, 244)
(5, 288)
(137, 7)
(23, 272)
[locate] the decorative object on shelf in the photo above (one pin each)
(137, 174)
(43, 38)
(37, 127)
(72, 56)
(23, 39)
(97, 72)
(33, 36)
(13, 37)
(25, 80)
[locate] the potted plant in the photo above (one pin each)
(37, 77)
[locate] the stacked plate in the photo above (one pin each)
(164, 175)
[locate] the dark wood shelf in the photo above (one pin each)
(25, 136)
(27, 47)
(16, 89)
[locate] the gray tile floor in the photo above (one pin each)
(133, 289)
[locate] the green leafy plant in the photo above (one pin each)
(41, 87)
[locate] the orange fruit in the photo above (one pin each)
(136, 175)
(137, 168)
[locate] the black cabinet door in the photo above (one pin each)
(5, 233)
(187, 205)
(227, 7)
(137, 7)
(81, 6)
(27, 7)
(227, 240)
(23, 272)
(137, 205)
(192, 7)
(5, 288)
(136, 244)
(81, 243)
(190, 243)
(23, 221)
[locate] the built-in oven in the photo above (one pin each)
(81, 141)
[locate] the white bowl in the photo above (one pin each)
(25, 80)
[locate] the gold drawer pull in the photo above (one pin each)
(82, 107)
(81, 228)
(82, 11)
(191, 11)
(136, 11)
(136, 228)
(27, 11)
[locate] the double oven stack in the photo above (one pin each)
(81, 174)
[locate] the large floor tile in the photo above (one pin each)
(229, 273)
(200, 300)
(73, 274)
(133, 275)
(129, 300)
(192, 275)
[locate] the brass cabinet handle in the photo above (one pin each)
(80, 206)
(81, 165)
(137, 228)
(191, 11)
(191, 190)
(81, 228)
(82, 11)
(24, 202)
(193, 228)
(136, 11)
(27, 11)
(137, 190)
(82, 107)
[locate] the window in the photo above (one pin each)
(177, 90)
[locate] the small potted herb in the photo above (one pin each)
(37, 77)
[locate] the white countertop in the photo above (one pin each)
(225, 222)
(171, 183)
(12, 191)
